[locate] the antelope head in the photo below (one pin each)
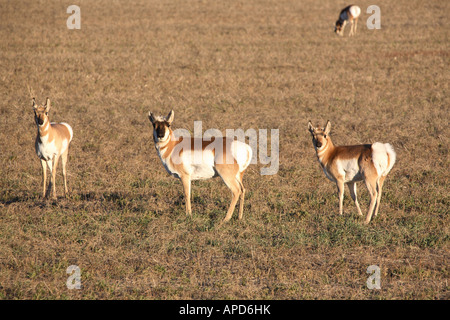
(41, 112)
(161, 126)
(320, 136)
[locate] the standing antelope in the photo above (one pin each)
(52, 142)
(348, 14)
(349, 164)
(229, 161)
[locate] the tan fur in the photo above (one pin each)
(229, 172)
(52, 142)
(358, 163)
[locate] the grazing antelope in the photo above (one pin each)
(350, 15)
(349, 164)
(52, 142)
(229, 161)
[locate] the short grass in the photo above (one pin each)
(234, 64)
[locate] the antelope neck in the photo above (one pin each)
(322, 153)
(43, 129)
(163, 144)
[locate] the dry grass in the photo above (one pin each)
(232, 64)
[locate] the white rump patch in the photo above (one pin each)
(380, 159)
(355, 11)
(242, 153)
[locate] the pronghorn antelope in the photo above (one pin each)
(350, 15)
(228, 161)
(52, 142)
(349, 164)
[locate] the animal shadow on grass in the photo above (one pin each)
(121, 202)
(7, 200)
(25, 196)
(116, 201)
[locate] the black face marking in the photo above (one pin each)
(39, 116)
(318, 136)
(160, 128)
(338, 26)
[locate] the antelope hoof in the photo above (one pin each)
(225, 220)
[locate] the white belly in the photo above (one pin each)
(46, 151)
(200, 172)
(349, 169)
(199, 164)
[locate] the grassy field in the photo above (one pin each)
(266, 64)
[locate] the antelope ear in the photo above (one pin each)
(310, 126)
(170, 116)
(151, 117)
(328, 127)
(34, 103)
(47, 105)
